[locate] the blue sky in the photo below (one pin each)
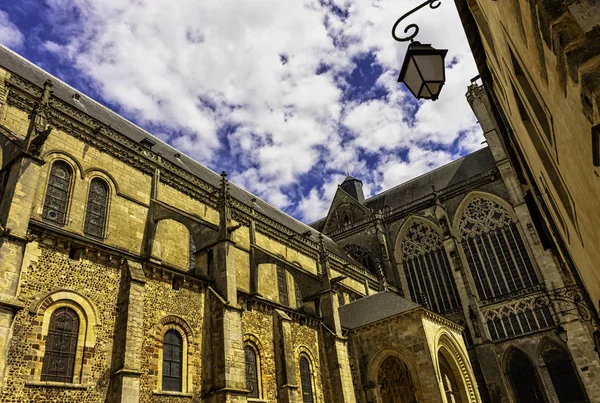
(282, 95)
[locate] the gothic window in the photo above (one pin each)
(448, 381)
(395, 382)
(306, 380)
(172, 365)
(495, 250)
(251, 372)
(517, 318)
(61, 346)
(361, 255)
(57, 193)
(523, 379)
(97, 204)
(298, 294)
(282, 285)
(427, 270)
(564, 377)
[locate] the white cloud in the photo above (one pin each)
(10, 35)
(194, 68)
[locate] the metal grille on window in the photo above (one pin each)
(427, 269)
(282, 285)
(306, 381)
(251, 372)
(95, 215)
(61, 346)
(361, 255)
(172, 361)
(495, 250)
(57, 193)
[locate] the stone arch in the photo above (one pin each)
(251, 341)
(303, 352)
(561, 370)
(460, 211)
(177, 323)
(54, 155)
(522, 376)
(74, 166)
(405, 357)
(451, 348)
(92, 173)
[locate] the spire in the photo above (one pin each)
(354, 188)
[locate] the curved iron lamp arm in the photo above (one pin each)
(413, 27)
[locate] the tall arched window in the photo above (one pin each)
(522, 375)
(564, 378)
(306, 380)
(451, 388)
(57, 193)
(251, 372)
(172, 361)
(97, 204)
(495, 250)
(427, 270)
(61, 346)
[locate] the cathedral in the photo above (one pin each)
(131, 273)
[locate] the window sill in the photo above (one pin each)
(64, 385)
(171, 393)
(255, 400)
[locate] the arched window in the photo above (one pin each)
(97, 205)
(251, 371)
(564, 378)
(395, 382)
(522, 375)
(306, 380)
(361, 255)
(57, 193)
(427, 270)
(172, 361)
(282, 286)
(61, 346)
(495, 250)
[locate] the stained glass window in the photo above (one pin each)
(251, 372)
(61, 346)
(282, 285)
(172, 361)
(95, 216)
(57, 193)
(495, 250)
(427, 270)
(306, 381)
(361, 255)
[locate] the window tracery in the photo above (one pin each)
(95, 215)
(427, 269)
(361, 255)
(495, 251)
(57, 193)
(517, 318)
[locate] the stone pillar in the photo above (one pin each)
(391, 274)
(15, 210)
(284, 358)
(227, 379)
(335, 346)
(129, 336)
(492, 373)
(585, 358)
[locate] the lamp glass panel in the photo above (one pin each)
(431, 89)
(431, 67)
(412, 78)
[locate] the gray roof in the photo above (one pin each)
(454, 172)
(374, 308)
(22, 67)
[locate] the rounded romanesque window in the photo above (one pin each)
(172, 365)
(428, 273)
(57, 193)
(306, 380)
(97, 207)
(61, 346)
(495, 251)
(252, 374)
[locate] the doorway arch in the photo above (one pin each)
(563, 375)
(395, 382)
(523, 378)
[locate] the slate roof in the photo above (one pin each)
(454, 172)
(22, 67)
(374, 308)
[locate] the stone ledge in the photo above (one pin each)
(171, 393)
(64, 385)
(254, 400)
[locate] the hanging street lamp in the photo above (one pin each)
(423, 70)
